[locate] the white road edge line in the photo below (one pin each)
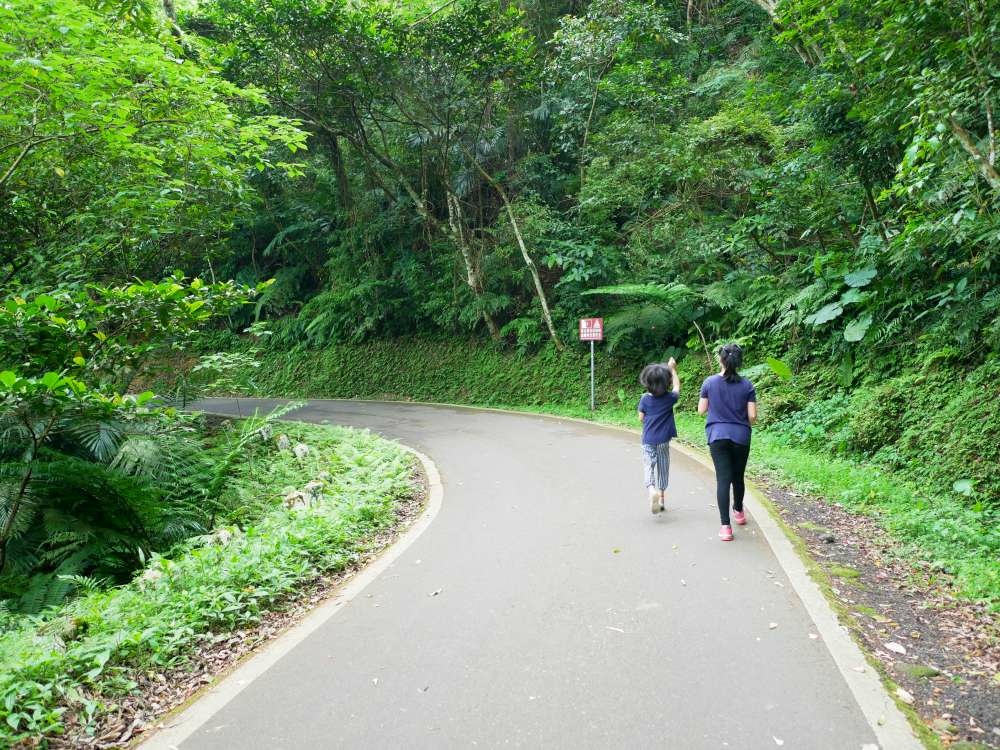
(179, 727)
(890, 725)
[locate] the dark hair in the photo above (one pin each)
(655, 379)
(731, 357)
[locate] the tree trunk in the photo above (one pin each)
(171, 13)
(343, 184)
(532, 269)
(987, 170)
(472, 278)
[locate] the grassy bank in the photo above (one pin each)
(810, 444)
(72, 666)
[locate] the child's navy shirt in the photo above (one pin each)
(728, 418)
(658, 424)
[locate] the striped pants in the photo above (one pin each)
(656, 464)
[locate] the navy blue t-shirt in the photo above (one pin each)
(658, 424)
(727, 417)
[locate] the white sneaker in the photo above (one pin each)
(655, 506)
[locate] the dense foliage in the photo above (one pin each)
(120, 154)
(817, 180)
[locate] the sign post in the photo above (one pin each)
(592, 329)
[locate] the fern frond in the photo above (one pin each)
(664, 294)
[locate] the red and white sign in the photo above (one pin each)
(591, 329)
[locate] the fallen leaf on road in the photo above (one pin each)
(858, 669)
(617, 630)
(435, 592)
(814, 636)
(683, 582)
(896, 647)
(773, 625)
(616, 550)
(777, 741)
(778, 583)
(904, 696)
(375, 681)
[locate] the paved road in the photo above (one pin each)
(568, 615)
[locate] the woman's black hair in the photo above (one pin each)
(655, 378)
(731, 357)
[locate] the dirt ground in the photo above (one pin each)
(942, 652)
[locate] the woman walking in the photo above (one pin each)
(730, 401)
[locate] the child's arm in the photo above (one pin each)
(642, 415)
(672, 366)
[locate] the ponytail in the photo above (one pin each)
(731, 357)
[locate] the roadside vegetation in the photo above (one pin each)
(300, 504)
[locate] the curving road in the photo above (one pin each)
(567, 615)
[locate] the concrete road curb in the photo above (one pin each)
(179, 726)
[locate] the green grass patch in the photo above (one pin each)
(843, 571)
(917, 671)
(79, 658)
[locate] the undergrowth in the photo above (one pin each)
(72, 664)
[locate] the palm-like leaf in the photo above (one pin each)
(666, 308)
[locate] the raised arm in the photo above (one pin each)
(672, 366)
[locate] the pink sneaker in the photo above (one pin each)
(740, 517)
(726, 533)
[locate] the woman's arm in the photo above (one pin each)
(703, 406)
(752, 411)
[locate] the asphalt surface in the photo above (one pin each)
(566, 615)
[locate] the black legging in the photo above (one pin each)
(730, 461)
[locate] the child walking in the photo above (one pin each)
(656, 412)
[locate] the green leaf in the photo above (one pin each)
(8, 378)
(861, 277)
(963, 487)
(79, 361)
(47, 301)
(51, 380)
(825, 314)
(857, 328)
(779, 368)
(851, 296)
